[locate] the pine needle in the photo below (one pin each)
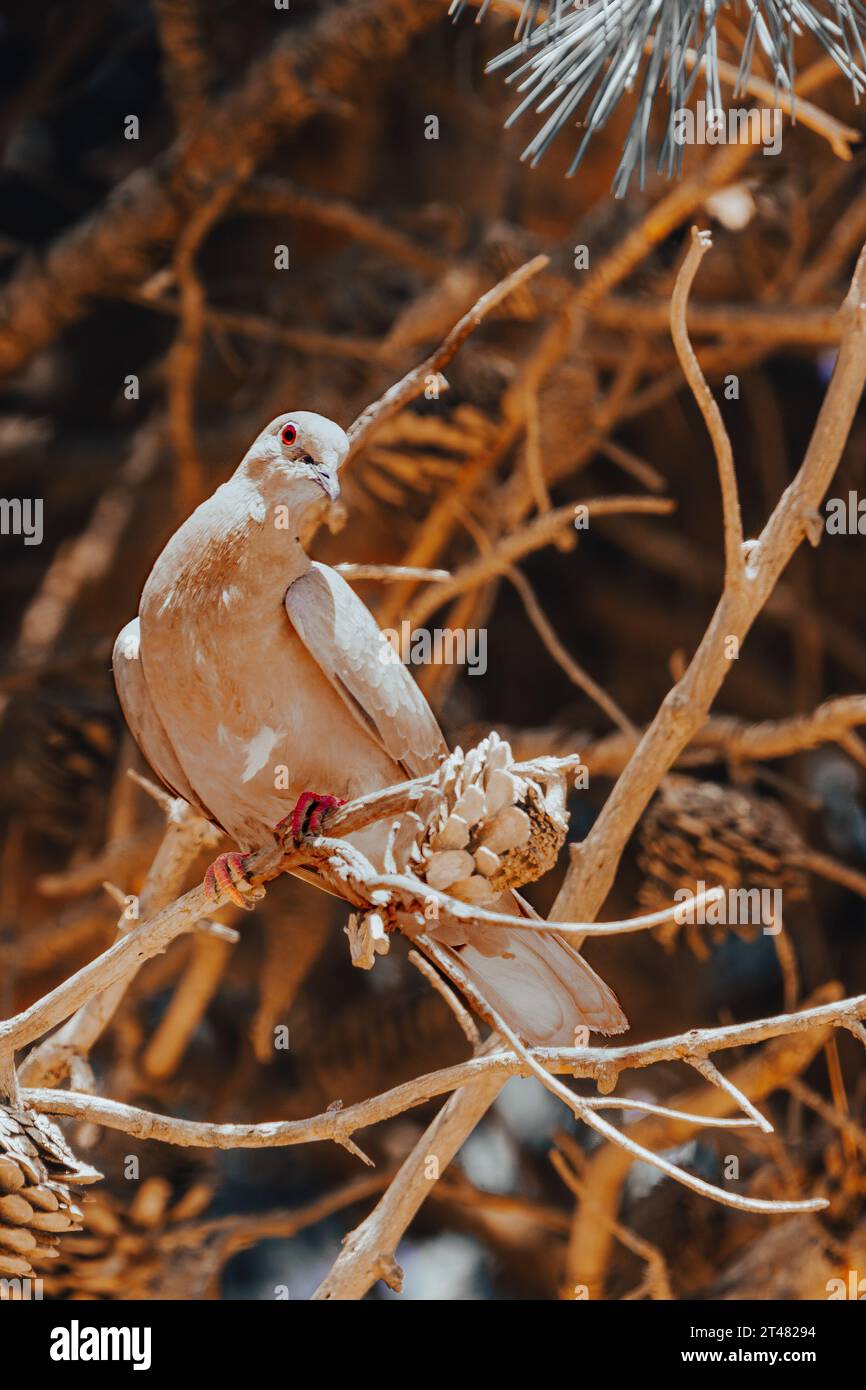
(586, 59)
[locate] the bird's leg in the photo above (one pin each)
(228, 875)
(306, 816)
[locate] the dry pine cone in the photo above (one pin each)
(700, 832)
(125, 1249)
(36, 1205)
(482, 827)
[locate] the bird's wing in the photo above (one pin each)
(142, 718)
(538, 982)
(342, 636)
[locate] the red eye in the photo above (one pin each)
(289, 433)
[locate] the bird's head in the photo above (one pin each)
(301, 447)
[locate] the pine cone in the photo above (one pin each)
(482, 827)
(126, 1250)
(700, 832)
(36, 1205)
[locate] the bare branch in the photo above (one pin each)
(185, 835)
(183, 360)
(116, 247)
(460, 1012)
(575, 672)
(391, 574)
(685, 708)
(184, 58)
(700, 245)
(414, 382)
(593, 1120)
(537, 533)
(712, 1074)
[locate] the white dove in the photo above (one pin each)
(254, 674)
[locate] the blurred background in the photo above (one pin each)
(149, 327)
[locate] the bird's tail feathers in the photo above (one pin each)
(540, 985)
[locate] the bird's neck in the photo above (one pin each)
(279, 522)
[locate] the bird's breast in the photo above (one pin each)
(252, 717)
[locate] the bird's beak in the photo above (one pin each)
(329, 483)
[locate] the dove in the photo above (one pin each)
(255, 683)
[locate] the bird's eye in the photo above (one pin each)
(289, 433)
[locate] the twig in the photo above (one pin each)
(537, 533)
(599, 1064)
(658, 223)
(189, 1002)
(588, 1114)
(284, 198)
(178, 23)
(460, 1012)
(185, 835)
(414, 382)
(636, 468)
(124, 858)
(168, 804)
(368, 1252)
(648, 1107)
(183, 360)
(757, 1076)
(391, 574)
(827, 867)
(734, 563)
(685, 708)
(85, 559)
(787, 959)
(656, 1267)
(712, 1074)
(312, 342)
(782, 738)
(763, 323)
(532, 453)
(576, 674)
(115, 247)
(621, 927)
(841, 1122)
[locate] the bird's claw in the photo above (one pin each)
(228, 876)
(306, 816)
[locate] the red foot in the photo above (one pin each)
(226, 875)
(306, 818)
